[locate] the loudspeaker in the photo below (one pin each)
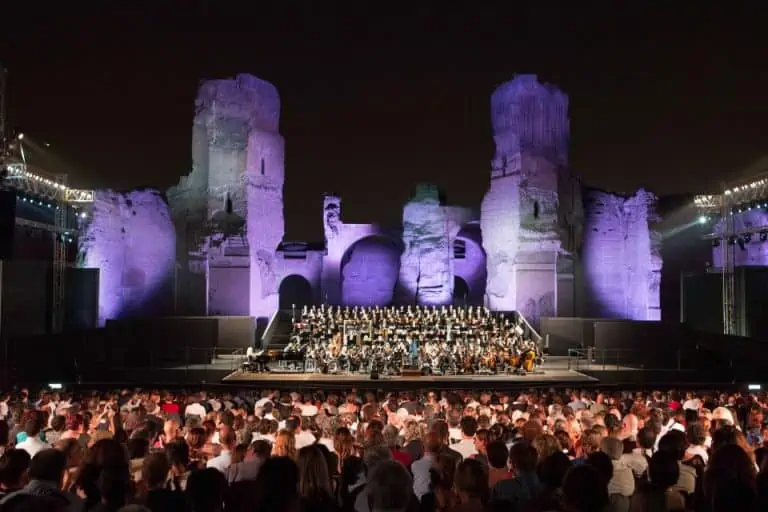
(7, 223)
(374, 375)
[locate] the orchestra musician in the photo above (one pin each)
(444, 339)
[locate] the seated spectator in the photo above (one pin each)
(623, 480)
(206, 491)
(466, 446)
(675, 442)
(498, 455)
(584, 489)
(658, 493)
(154, 477)
(697, 438)
(46, 473)
(178, 461)
(389, 488)
(14, 471)
(525, 483)
(32, 444)
(315, 488)
(637, 460)
(276, 486)
(224, 459)
(258, 452)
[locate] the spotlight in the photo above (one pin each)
(20, 136)
(748, 238)
(740, 241)
(83, 215)
(703, 219)
(731, 240)
(763, 236)
(715, 242)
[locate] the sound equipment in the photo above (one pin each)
(374, 375)
(411, 372)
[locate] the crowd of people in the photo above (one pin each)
(439, 340)
(537, 451)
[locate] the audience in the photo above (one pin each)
(453, 451)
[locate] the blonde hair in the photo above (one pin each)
(285, 445)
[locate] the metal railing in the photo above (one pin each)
(592, 358)
(270, 329)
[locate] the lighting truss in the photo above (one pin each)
(708, 203)
(20, 178)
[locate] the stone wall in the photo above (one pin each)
(620, 256)
(130, 238)
(426, 273)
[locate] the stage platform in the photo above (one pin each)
(553, 373)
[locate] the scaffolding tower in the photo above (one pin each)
(16, 175)
(734, 199)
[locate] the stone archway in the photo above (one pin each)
(469, 263)
(296, 291)
(369, 271)
(461, 291)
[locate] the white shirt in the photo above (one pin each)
(304, 438)
(466, 447)
(454, 433)
(195, 410)
(421, 478)
(693, 404)
(261, 402)
(328, 443)
(222, 462)
(636, 461)
(32, 445)
(698, 450)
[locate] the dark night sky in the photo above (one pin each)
(375, 100)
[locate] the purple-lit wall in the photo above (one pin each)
(369, 271)
(426, 273)
(130, 238)
(620, 256)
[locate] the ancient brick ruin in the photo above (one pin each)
(539, 243)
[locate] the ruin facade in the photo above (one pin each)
(540, 243)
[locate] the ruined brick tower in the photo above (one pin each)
(520, 215)
(237, 173)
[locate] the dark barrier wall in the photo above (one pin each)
(702, 302)
(27, 298)
(755, 299)
(7, 223)
(82, 299)
(567, 333)
(231, 332)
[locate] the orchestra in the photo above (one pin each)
(437, 340)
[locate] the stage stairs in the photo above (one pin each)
(282, 333)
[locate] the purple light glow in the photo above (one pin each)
(131, 240)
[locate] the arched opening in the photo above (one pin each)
(369, 271)
(460, 291)
(470, 263)
(296, 291)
